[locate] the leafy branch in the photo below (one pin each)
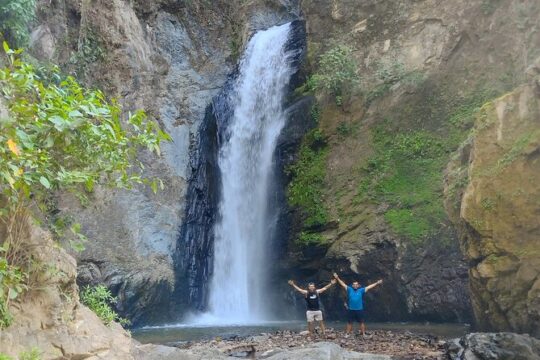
(59, 136)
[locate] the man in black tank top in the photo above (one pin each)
(311, 296)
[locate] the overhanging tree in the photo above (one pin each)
(57, 135)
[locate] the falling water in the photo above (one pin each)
(242, 233)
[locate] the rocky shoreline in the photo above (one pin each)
(402, 345)
(376, 345)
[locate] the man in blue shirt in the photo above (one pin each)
(355, 303)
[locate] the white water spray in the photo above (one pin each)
(238, 292)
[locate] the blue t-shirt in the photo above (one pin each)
(356, 298)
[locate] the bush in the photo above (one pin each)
(389, 73)
(307, 238)
(14, 18)
(344, 129)
(336, 73)
(99, 299)
(12, 281)
(60, 136)
(33, 354)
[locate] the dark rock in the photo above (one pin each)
(88, 273)
(436, 275)
(494, 346)
(194, 247)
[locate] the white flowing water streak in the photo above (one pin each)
(238, 292)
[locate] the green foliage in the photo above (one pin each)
(463, 117)
(316, 113)
(487, 203)
(62, 136)
(307, 238)
(489, 6)
(344, 129)
(59, 136)
(460, 180)
(406, 173)
(14, 18)
(90, 51)
(12, 284)
(235, 43)
(408, 223)
(390, 73)
(515, 150)
(33, 354)
(336, 73)
(377, 92)
(100, 300)
(306, 188)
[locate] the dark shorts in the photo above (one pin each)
(355, 316)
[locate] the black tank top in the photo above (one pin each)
(312, 301)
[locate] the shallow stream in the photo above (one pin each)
(178, 334)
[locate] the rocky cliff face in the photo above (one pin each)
(169, 58)
(49, 317)
(493, 196)
(424, 67)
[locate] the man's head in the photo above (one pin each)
(355, 284)
(311, 286)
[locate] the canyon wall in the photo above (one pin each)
(425, 68)
(169, 58)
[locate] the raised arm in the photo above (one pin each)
(341, 282)
(300, 290)
(369, 287)
(328, 286)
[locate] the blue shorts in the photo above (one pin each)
(355, 315)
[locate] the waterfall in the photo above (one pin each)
(238, 292)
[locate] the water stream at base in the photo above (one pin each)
(179, 334)
(244, 226)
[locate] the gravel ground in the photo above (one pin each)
(400, 345)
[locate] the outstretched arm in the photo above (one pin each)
(369, 287)
(341, 282)
(300, 290)
(332, 282)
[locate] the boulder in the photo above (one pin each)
(324, 351)
(494, 346)
(496, 212)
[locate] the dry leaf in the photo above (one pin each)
(13, 147)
